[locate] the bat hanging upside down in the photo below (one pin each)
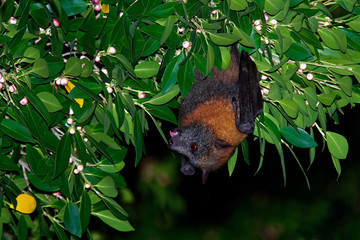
(217, 115)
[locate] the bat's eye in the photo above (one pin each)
(194, 147)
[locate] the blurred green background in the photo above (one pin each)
(164, 204)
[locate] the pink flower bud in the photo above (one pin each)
(309, 76)
(69, 121)
(76, 172)
(12, 20)
(97, 7)
(141, 95)
(1, 85)
(80, 167)
(24, 101)
(56, 22)
(97, 58)
(87, 185)
(64, 81)
(72, 131)
(186, 44)
(12, 88)
(110, 90)
(112, 50)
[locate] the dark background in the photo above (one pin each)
(164, 204)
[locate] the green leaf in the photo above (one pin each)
(170, 74)
(107, 217)
(150, 47)
(224, 39)
(146, 69)
(62, 156)
(16, 130)
(73, 7)
(138, 139)
(72, 219)
(290, 107)
(31, 54)
(298, 138)
(340, 39)
(327, 98)
(73, 67)
(163, 112)
(85, 210)
(232, 162)
(168, 28)
(186, 77)
(160, 98)
(51, 103)
(298, 52)
(125, 62)
(238, 5)
(59, 231)
(355, 24)
(346, 85)
(324, 9)
(40, 68)
(337, 144)
(210, 59)
(349, 4)
(297, 22)
(311, 97)
(107, 187)
(245, 39)
(164, 10)
(22, 228)
(272, 7)
(327, 36)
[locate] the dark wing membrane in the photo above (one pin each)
(250, 98)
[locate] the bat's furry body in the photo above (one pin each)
(209, 129)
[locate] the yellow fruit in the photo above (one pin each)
(25, 203)
(105, 8)
(70, 87)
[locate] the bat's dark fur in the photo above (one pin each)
(217, 114)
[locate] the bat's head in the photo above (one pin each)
(200, 148)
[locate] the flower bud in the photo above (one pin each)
(56, 22)
(24, 101)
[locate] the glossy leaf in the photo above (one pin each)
(170, 75)
(224, 39)
(16, 130)
(85, 210)
(298, 137)
(62, 156)
(72, 219)
(51, 103)
(238, 5)
(107, 187)
(73, 67)
(232, 162)
(160, 98)
(298, 52)
(337, 144)
(107, 217)
(164, 10)
(41, 68)
(290, 107)
(146, 69)
(168, 28)
(185, 77)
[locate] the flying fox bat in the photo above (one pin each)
(217, 114)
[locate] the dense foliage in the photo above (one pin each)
(80, 81)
